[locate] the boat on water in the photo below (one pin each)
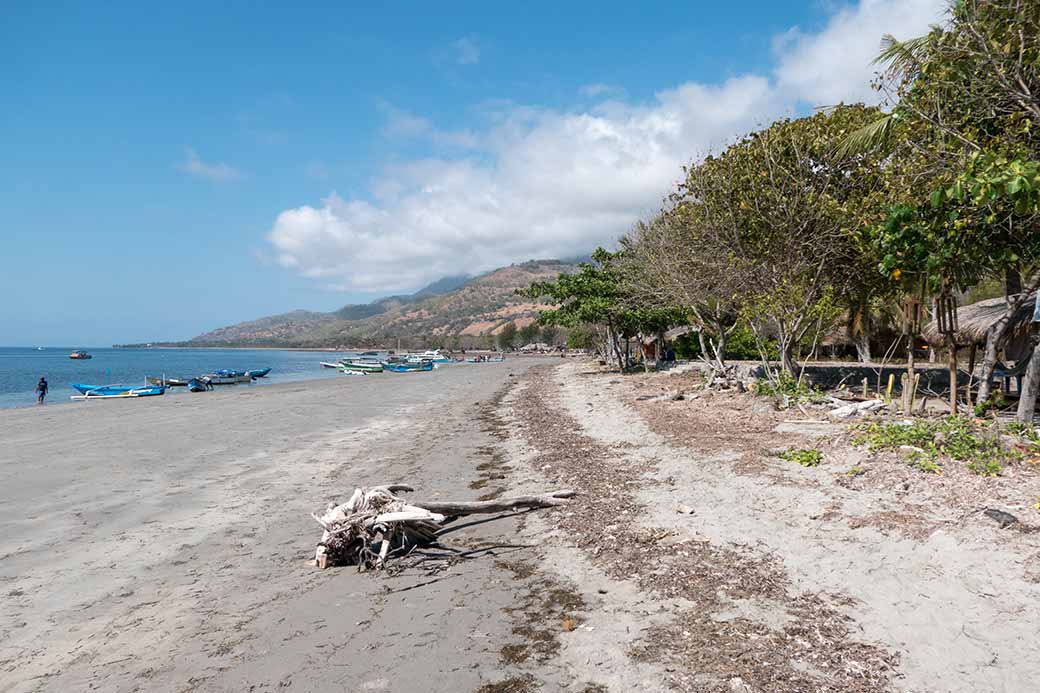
(362, 366)
(344, 371)
(226, 377)
(114, 391)
(434, 356)
(80, 356)
(326, 364)
(258, 373)
(168, 382)
(408, 366)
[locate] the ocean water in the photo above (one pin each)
(21, 368)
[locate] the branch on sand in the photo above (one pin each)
(376, 523)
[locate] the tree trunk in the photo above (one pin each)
(720, 349)
(862, 344)
(1030, 387)
(998, 331)
(787, 361)
(952, 343)
(911, 374)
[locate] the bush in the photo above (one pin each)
(807, 457)
(955, 437)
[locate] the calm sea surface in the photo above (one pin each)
(21, 368)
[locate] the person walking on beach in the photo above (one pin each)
(41, 390)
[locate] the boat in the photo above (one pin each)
(326, 364)
(196, 385)
(80, 356)
(434, 356)
(344, 371)
(258, 373)
(114, 391)
(408, 367)
(226, 377)
(168, 382)
(363, 366)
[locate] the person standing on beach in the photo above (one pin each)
(41, 390)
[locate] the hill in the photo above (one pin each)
(463, 307)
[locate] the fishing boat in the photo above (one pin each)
(258, 373)
(226, 377)
(114, 391)
(196, 385)
(80, 356)
(362, 366)
(408, 367)
(434, 356)
(326, 364)
(344, 371)
(168, 382)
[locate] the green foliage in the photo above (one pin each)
(581, 337)
(807, 457)
(596, 294)
(528, 334)
(975, 443)
(786, 386)
(507, 336)
(740, 345)
(856, 470)
(996, 402)
(549, 334)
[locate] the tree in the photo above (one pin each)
(507, 336)
(967, 96)
(528, 333)
(550, 333)
(772, 223)
(596, 295)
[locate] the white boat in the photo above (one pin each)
(326, 364)
(434, 355)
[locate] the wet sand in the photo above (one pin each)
(165, 543)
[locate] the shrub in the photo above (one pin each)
(807, 457)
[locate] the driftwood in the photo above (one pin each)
(376, 523)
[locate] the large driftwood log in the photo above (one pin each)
(496, 505)
(375, 523)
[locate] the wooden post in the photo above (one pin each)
(891, 382)
(866, 392)
(952, 342)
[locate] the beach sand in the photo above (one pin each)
(166, 544)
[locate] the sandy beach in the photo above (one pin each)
(167, 545)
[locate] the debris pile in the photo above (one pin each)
(376, 523)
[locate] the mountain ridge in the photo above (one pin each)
(468, 309)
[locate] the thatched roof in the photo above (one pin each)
(974, 321)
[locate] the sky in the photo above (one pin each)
(172, 168)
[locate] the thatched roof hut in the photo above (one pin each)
(974, 321)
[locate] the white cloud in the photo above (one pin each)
(835, 64)
(467, 51)
(544, 183)
(195, 166)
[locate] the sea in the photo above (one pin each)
(21, 368)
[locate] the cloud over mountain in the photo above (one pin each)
(538, 182)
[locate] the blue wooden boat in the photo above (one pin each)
(111, 391)
(196, 385)
(408, 367)
(258, 373)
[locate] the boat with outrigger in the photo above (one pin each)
(116, 391)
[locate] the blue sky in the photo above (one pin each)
(170, 169)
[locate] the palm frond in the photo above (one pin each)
(870, 136)
(903, 56)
